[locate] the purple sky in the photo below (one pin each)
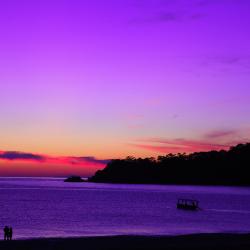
(116, 78)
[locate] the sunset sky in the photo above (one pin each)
(82, 82)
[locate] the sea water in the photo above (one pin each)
(49, 207)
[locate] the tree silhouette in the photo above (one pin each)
(200, 168)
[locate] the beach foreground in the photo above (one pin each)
(198, 241)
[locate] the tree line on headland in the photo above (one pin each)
(230, 167)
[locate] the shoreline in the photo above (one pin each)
(127, 183)
(193, 241)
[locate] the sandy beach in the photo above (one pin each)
(198, 241)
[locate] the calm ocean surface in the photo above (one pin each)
(47, 207)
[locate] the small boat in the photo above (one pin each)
(74, 179)
(188, 204)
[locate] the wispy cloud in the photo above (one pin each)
(220, 133)
(168, 17)
(213, 140)
(179, 145)
(204, 3)
(158, 148)
(165, 17)
(228, 63)
(168, 11)
(90, 159)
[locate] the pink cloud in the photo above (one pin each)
(206, 142)
(157, 148)
(179, 146)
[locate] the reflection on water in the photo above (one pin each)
(45, 207)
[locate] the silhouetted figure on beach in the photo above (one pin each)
(6, 232)
(10, 233)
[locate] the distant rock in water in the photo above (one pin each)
(74, 179)
(230, 168)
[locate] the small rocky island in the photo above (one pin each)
(74, 179)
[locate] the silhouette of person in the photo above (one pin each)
(6, 232)
(10, 233)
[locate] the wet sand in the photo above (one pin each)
(197, 241)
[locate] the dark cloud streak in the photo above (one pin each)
(88, 159)
(14, 155)
(220, 133)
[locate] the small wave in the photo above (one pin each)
(229, 211)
